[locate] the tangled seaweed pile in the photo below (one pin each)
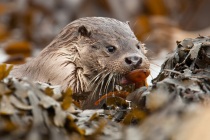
(174, 107)
(40, 111)
(187, 72)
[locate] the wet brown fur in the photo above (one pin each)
(80, 61)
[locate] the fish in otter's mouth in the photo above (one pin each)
(92, 54)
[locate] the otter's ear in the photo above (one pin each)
(83, 31)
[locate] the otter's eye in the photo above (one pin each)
(111, 49)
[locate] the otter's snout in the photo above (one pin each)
(133, 61)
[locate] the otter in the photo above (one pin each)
(91, 54)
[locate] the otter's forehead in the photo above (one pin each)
(106, 27)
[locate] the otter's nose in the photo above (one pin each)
(134, 61)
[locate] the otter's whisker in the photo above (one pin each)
(98, 84)
(154, 64)
(118, 78)
(96, 78)
(151, 76)
(154, 70)
(113, 84)
(108, 82)
(102, 83)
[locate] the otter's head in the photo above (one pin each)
(104, 49)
